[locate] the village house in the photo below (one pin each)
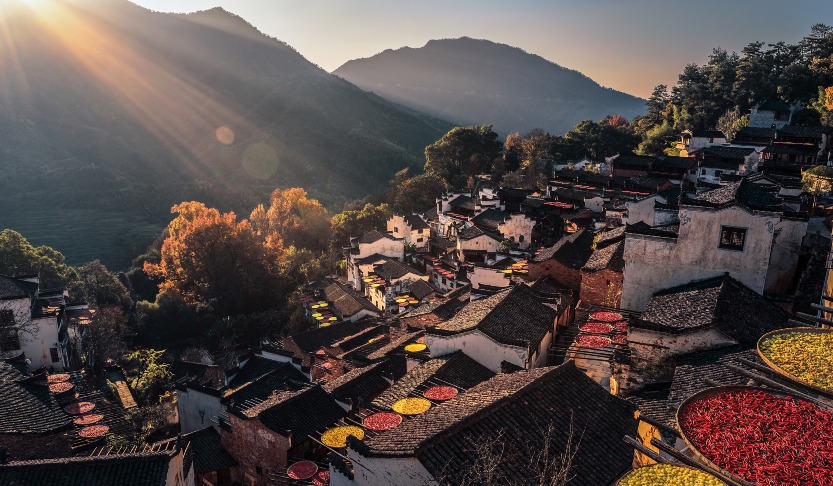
(603, 274)
(659, 209)
(261, 431)
(411, 228)
(719, 161)
(202, 389)
(730, 229)
(691, 140)
(347, 304)
(515, 227)
(35, 322)
(754, 137)
(213, 465)
(700, 316)
(772, 114)
(304, 344)
(372, 244)
(33, 424)
(396, 276)
(486, 279)
(360, 386)
(147, 468)
(563, 260)
(476, 245)
(515, 325)
(442, 444)
(628, 165)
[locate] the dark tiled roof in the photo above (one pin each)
(374, 236)
(209, 453)
(721, 303)
(646, 182)
(393, 345)
(474, 232)
(517, 408)
(259, 389)
(346, 301)
(747, 192)
(258, 366)
(790, 149)
(421, 289)
(27, 407)
(374, 258)
(708, 134)
(463, 201)
(433, 313)
(754, 132)
(456, 369)
(314, 339)
(804, 132)
(514, 316)
(725, 152)
(393, 269)
(142, 469)
(301, 413)
(431, 214)
(633, 161)
(416, 222)
(572, 250)
(669, 162)
(610, 257)
(490, 219)
(360, 385)
(11, 287)
(209, 376)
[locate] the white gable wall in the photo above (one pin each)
(478, 347)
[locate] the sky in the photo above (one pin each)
(629, 45)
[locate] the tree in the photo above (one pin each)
(418, 194)
(463, 152)
(512, 152)
(617, 121)
(97, 286)
(808, 117)
(148, 377)
(732, 122)
(19, 257)
(656, 105)
(105, 337)
(292, 219)
(215, 259)
(357, 222)
(657, 140)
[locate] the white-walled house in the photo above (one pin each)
(514, 326)
(370, 244)
(691, 140)
(658, 209)
(702, 315)
(514, 408)
(516, 227)
(35, 322)
(743, 229)
(411, 228)
(474, 244)
(718, 161)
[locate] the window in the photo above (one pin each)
(521, 238)
(732, 238)
(419, 240)
(54, 353)
(395, 229)
(9, 340)
(702, 171)
(258, 470)
(718, 173)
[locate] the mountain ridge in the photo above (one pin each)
(113, 108)
(478, 79)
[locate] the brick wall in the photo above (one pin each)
(566, 276)
(603, 287)
(255, 446)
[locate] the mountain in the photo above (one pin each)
(472, 81)
(110, 113)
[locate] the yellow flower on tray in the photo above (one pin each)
(668, 475)
(411, 406)
(415, 348)
(807, 356)
(337, 436)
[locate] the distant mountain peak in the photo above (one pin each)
(472, 80)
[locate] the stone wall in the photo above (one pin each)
(564, 275)
(258, 450)
(603, 287)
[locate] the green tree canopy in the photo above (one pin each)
(19, 257)
(418, 193)
(463, 152)
(98, 286)
(356, 222)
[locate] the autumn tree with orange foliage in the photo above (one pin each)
(213, 258)
(292, 219)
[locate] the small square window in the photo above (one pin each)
(732, 238)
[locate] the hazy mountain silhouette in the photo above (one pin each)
(477, 81)
(109, 114)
